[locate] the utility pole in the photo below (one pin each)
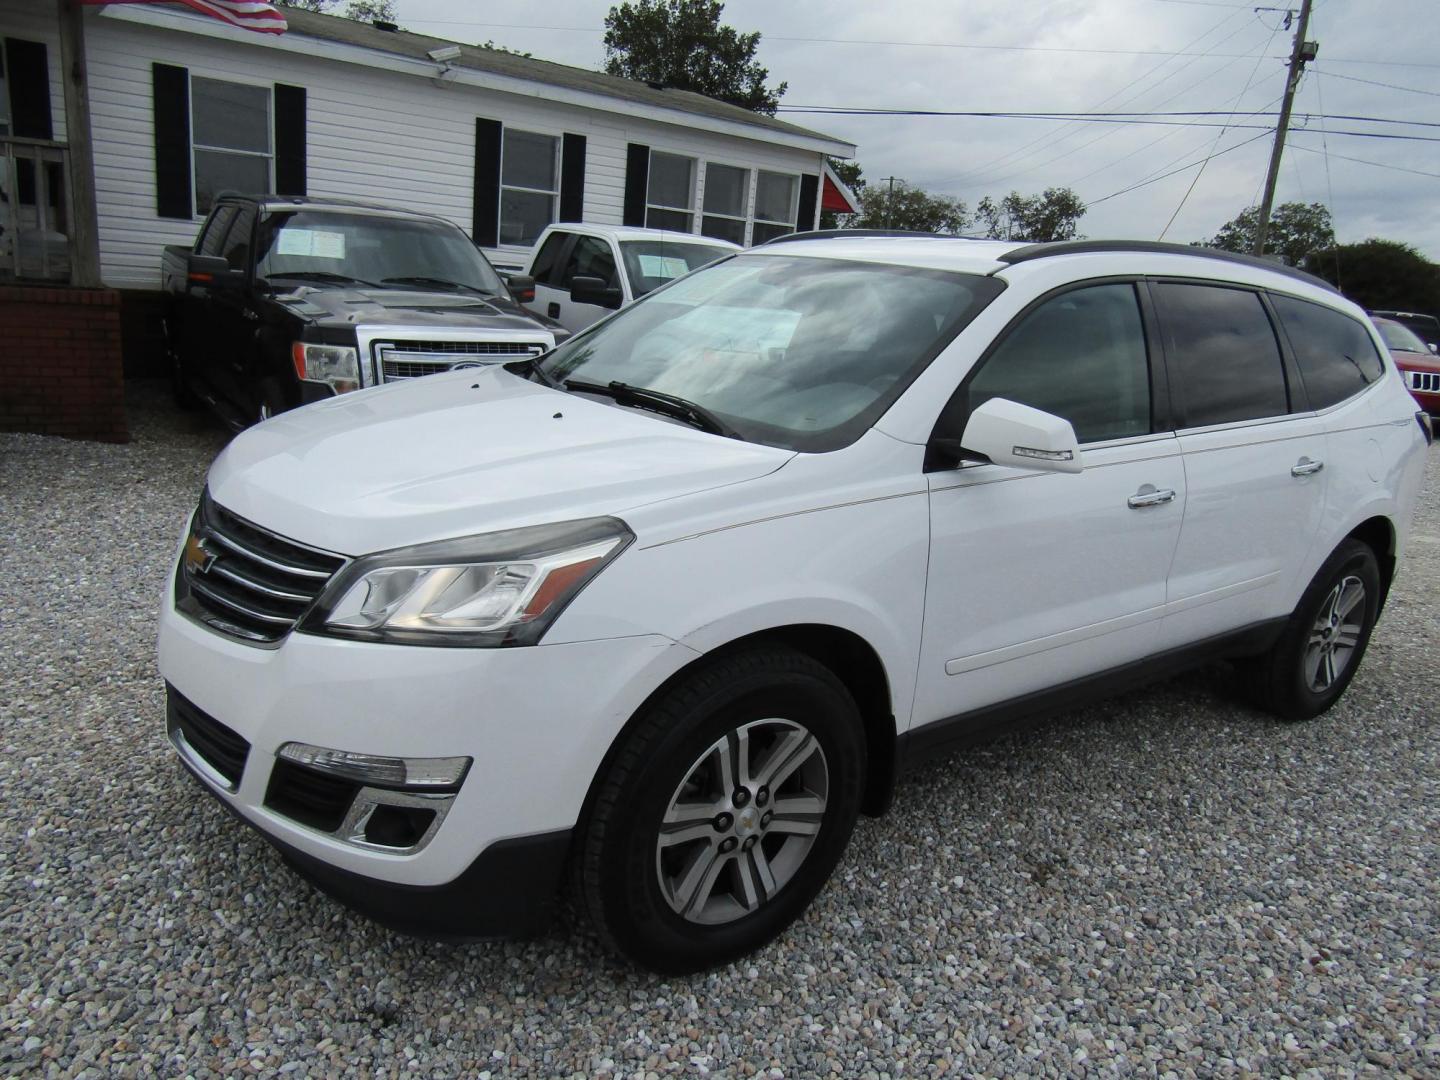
(890, 198)
(1302, 52)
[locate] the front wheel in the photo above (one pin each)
(724, 812)
(1323, 643)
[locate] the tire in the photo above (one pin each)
(180, 390)
(703, 897)
(1294, 680)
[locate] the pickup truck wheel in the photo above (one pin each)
(184, 397)
(724, 811)
(272, 401)
(1323, 643)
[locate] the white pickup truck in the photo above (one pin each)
(583, 272)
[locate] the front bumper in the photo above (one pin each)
(536, 721)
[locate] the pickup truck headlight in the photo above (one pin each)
(337, 366)
(491, 590)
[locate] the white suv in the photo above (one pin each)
(671, 605)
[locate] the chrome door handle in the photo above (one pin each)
(1306, 467)
(1148, 496)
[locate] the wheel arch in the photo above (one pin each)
(1378, 533)
(852, 659)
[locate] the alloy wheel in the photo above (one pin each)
(1335, 634)
(742, 821)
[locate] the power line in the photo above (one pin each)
(1386, 85)
(1062, 114)
(1364, 161)
(1172, 172)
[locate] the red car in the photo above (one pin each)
(1419, 366)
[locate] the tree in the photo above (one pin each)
(681, 44)
(1296, 229)
(849, 174)
(366, 11)
(1383, 274)
(1051, 215)
(909, 209)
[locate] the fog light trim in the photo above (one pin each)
(404, 773)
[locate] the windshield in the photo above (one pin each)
(1400, 338)
(373, 250)
(651, 263)
(796, 352)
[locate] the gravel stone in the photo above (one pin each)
(1167, 884)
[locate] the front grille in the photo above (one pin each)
(309, 797)
(401, 360)
(1425, 381)
(222, 749)
(245, 581)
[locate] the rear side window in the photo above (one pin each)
(547, 255)
(1336, 355)
(1224, 360)
(209, 243)
(1080, 355)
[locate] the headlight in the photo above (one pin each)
(501, 588)
(337, 366)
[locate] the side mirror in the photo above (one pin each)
(212, 272)
(1008, 433)
(522, 288)
(591, 290)
(1434, 348)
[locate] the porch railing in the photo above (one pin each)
(35, 233)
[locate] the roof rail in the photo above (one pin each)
(847, 234)
(1085, 247)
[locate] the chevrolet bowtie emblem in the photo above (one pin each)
(197, 556)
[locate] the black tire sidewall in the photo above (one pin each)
(639, 920)
(1291, 695)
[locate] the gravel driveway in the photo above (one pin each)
(1170, 884)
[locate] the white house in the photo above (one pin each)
(183, 106)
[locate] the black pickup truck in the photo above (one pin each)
(283, 301)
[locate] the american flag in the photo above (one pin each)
(247, 14)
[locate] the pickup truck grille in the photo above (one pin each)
(245, 581)
(399, 360)
(1427, 382)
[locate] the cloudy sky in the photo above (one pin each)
(1083, 55)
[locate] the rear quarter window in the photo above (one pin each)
(1336, 354)
(1222, 354)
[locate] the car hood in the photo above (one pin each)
(342, 306)
(461, 453)
(1414, 361)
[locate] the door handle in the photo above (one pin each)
(553, 310)
(1306, 467)
(1149, 496)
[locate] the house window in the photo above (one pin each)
(231, 149)
(529, 185)
(671, 199)
(727, 191)
(777, 200)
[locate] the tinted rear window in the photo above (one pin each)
(1336, 355)
(1222, 354)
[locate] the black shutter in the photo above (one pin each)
(637, 183)
(572, 178)
(289, 140)
(809, 191)
(486, 231)
(172, 141)
(28, 76)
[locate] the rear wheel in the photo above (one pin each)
(1318, 654)
(185, 397)
(724, 812)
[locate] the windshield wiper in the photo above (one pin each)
(421, 279)
(644, 398)
(321, 275)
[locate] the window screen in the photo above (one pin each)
(1080, 355)
(726, 196)
(529, 185)
(776, 200)
(671, 192)
(1224, 360)
(1337, 358)
(232, 151)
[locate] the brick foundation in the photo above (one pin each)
(60, 363)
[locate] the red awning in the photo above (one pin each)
(247, 14)
(834, 195)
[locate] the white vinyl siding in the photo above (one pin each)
(371, 134)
